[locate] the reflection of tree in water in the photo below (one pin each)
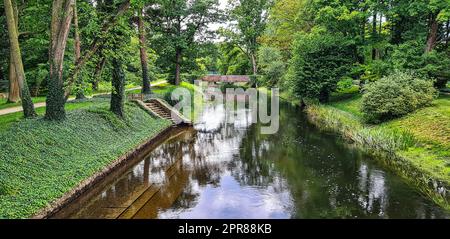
(312, 163)
(213, 151)
(320, 174)
(329, 178)
(250, 168)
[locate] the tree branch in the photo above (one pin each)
(95, 45)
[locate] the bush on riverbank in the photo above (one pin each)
(395, 95)
(40, 161)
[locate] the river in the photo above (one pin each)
(230, 170)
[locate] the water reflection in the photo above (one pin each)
(230, 170)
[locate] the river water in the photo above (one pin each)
(230, 170)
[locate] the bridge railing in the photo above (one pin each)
(226, 78)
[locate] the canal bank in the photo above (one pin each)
(115, 168)
(230, 170)
(420, 162)
(42, 162)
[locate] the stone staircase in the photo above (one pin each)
(160, 108)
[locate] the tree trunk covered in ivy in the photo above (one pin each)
(118, 88)
(98, 72)
(62, 13)
(27, 103)
(14, 91)
(143, 54)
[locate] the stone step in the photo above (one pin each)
(160, 110)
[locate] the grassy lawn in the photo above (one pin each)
(350, 105)
(7, 120)
(161, 90)
(164, 88)
(4, 104)
(40, 161)
(422, 136)
(103, 88)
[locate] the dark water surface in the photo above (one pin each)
(219, 170)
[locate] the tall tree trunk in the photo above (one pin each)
(77, 50)
(97, 73)
(380, 30)
(2, 74)
(14, 91)
(143, 53)
(433, 32)
(118, 88)
(178, 67)
(362, 33)
(447, 38)
(62, 13)
(254, 63)
(374, 36)
(27, 103)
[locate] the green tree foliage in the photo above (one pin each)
(176, 28)
(248, 22)
(271, 64)
(396, 95)
(434, 64)
(233, 61)
(285, 19)
(319, 61)
(114, 47)
(362, 40)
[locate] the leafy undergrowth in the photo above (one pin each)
(40, 161)
(422, 137)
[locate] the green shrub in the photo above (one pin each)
(376, 70)
(434, 64)
(319, 61)
(396, 95)
(344, 84)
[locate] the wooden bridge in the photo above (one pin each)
(226, 78)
